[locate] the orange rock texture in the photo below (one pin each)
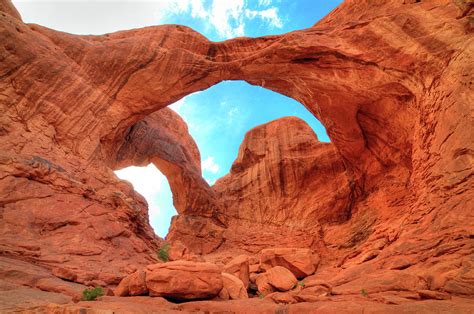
(387, 206)
(284, 181)
(283, 175)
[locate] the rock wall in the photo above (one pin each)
(283, 175)
(284, 182)
(390, 80)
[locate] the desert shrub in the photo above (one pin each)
(92, 294)
(163, 252)
(363, 292)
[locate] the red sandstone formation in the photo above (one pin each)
(277, 278)
(239, 267)
(301, 262)
(162, 138)
(234, 288)
(284, 181)
(387, 206)
(284, 175)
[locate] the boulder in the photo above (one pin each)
(379, 281)
(311, 282)
(281, 298)
(263, 286)
(276, 278)
(122, 289)
(137, 283)
(433, 295)
(316, 291)
(184, 280)
(315, 288)
(301, 297)
(233, 289)
(132, 285)
(60, 286)
(239, 267)
(301, 262)
(281, 278)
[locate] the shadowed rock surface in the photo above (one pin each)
(387, 206)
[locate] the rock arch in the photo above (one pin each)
(110, 96)
(390, 80)
(162, 138)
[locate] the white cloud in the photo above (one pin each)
(264, 3)
(148, 181)
(269, 15)
(233, 118)
(226, 17)
(166, 7)
(197, 9)
(210, 165)
(232, 114)
(154, 187)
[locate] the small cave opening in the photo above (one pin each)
(153, 185)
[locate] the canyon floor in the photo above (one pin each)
(380, 220)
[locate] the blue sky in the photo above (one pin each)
(219, 117)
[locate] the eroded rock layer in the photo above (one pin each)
(162, 138)
(284, 182)
(283, 175)
(390, 80)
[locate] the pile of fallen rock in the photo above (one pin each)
(275, 273)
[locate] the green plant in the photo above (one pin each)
(301, 284)
(92, 294)
(364, 292)
(163, 252)
(260, 295)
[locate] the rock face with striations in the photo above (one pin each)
(284, 181)
(390, 80)
(162, 138)
(284, 175)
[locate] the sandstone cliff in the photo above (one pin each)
(284, 175)
(284, 182)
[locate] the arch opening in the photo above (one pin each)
(202, 144)
(219, 117)
(213, 166)
(153, 185)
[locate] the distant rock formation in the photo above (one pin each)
(284, 181)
